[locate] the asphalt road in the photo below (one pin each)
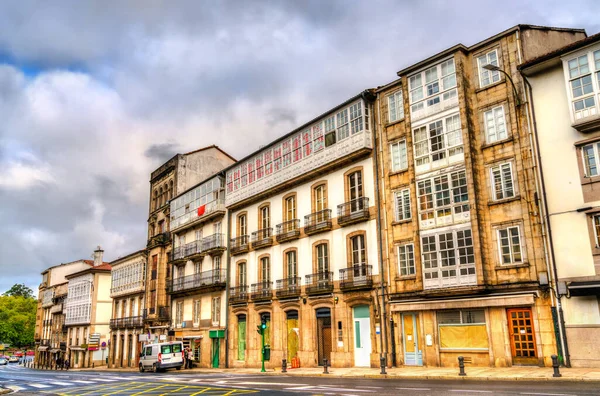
(26, 381)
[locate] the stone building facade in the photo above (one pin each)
(565, 106)
(169, 180)
(199, 268)
(303, 248)
(128, 286)
(462, 228)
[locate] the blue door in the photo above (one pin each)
(413, 356)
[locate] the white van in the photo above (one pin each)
(161, 356)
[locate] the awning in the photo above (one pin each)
(192, 337)
(77, 349)
(494, 300)
(54, 350)
(42, 348)
(584, 288)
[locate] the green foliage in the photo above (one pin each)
(19, 289)
(17, 320)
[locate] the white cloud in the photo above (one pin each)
(21, 176)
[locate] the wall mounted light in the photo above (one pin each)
(336, 299)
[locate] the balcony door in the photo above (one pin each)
(292, 267)
(355, 188)
(359, 258)
(322, 260)
(242, 274)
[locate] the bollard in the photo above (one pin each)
(284, 366)
(555, 366)
(382, 364)
(461, 366)
(325, 361)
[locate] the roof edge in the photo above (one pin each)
(127, 256)
(296, 130)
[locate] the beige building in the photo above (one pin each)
(176, 175)
(303, 253)
(462, 230)
(50, 331)
(88, 311)
(197, 288)
(128, 286)
(565, 107)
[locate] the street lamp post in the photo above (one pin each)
(491, 67)
(261, 330)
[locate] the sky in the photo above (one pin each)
(94, 95)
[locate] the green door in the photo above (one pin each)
(215, 355)
(242, 339)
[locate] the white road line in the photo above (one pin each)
(83, 382)
(319, 389)
(471, 391)
(370, 387)
(60, 383)
(265, 383)
(547, 394)
(105, 380)
(419, 389)
(15, 388)
(39, 385)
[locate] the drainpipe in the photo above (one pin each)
(228, 280)
(382, 309)
(545, 219)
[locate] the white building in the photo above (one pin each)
(304, 248)
(197, 290)
(128, 286)
(87, 313)
(565, 91)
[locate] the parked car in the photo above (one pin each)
(161, 356)
(13, 359)
(3, 362)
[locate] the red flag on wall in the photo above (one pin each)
(201, 210)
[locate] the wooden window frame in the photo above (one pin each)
(266, 205)
(313, 194)
(315, 245)
(347, 175)
(237, 272)
(260, 267)
(238, 217)
(284, 209)
(286, 274)
(349, 238)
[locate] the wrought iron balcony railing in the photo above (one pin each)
(262, 238)
(213, 243)
(288, 230)
(354, 211)
(238, 294)
(47, 322)
(289, 287)
(127, 323)
(261, 291)
(319, 283)
(164, 313)
(239, 245)
(195, 282)
(159, 239)
(317, 222)
(356, 277)
(189, 249)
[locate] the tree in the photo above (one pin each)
(19, 289)
(17, 320)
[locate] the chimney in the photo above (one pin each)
(98, 256)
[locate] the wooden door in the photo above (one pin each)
(522, 336)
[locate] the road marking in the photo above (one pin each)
(370, 387)
(60, 383)
(105, 380)
(419, 389)
(39, 385)
(467, 390)
(83, 382)
(548, 394)
(264, 383)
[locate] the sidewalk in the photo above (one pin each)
(441, 373)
